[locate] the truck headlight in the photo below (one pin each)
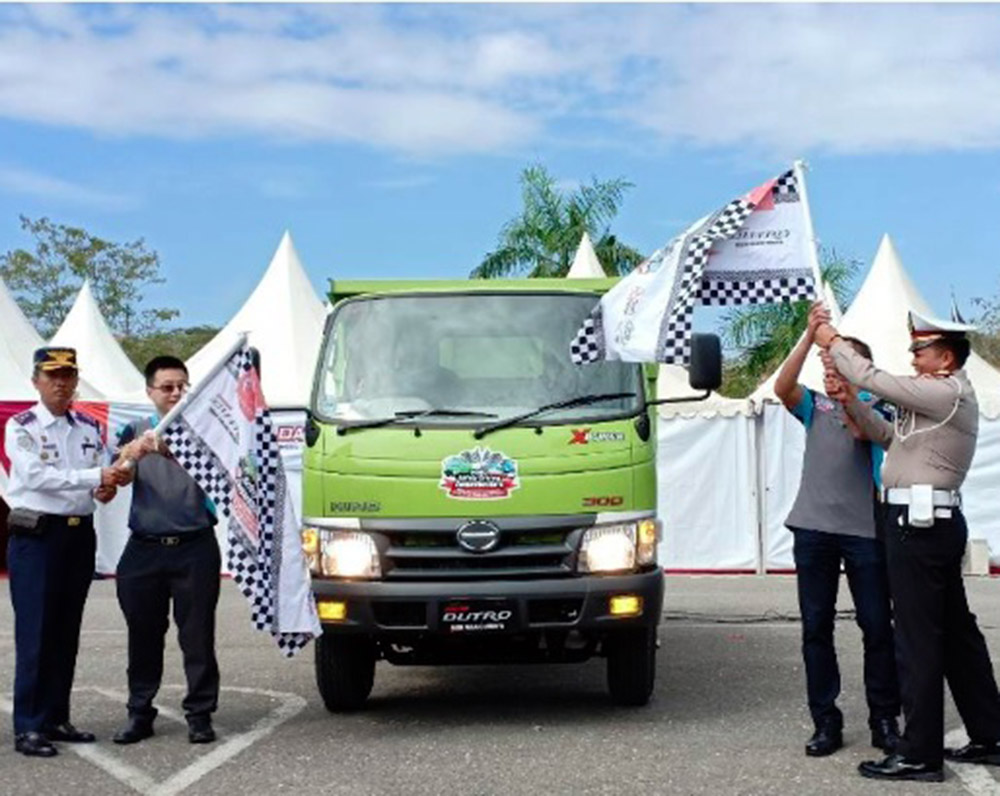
(618, 548)
(341, 554)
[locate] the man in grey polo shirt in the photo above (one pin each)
(833, 521)
(171, 554)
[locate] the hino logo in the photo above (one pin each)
(478, 536)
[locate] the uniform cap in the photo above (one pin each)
(55, 358)
(925, 331)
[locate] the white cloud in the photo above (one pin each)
(23, 182)
(433, 80)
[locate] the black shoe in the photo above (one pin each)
(200, 730)
(825, 741)
(137, 729)
(898, 767)
(885, 735)
(34, 744)
(67, 733)
(988, 753)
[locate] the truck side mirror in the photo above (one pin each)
(705, 370)
(312, 429)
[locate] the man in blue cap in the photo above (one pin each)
(57, 469)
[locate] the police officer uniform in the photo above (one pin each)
(930, 446)
(55, 464)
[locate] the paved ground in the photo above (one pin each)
(728, 716)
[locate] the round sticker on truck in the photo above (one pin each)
(479, 474)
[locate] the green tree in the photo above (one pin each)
(46, 280)
(181, 343)
(544, 237)
(764, 334)
(986, 340)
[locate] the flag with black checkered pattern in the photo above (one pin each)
(755, 250)
(224, 438)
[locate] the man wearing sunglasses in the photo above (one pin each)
(171, 555)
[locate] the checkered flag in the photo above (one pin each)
(754, 250)
(223, 436)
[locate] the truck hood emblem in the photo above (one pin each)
(478, 536)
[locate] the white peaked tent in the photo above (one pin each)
(18, 341)
(101, 358)
(284, 319)
(878, 316)
(585, 263)
(706, 482)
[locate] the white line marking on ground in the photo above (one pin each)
(168, 713)
(977, 780)
(138, 780)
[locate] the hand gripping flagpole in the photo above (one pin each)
(799, 167)
(189, 396)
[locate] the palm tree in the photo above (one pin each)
(543, 238)
(766, 333)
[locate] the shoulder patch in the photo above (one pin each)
(23, 418)
(84, 418)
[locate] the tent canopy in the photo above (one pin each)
(18, 341)
(878, 316)
(284, 319)
(102, 360)
(585, 263)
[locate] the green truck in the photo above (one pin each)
(470, 495)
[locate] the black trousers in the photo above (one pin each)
(50, 576)
(149, 576)
(818, 556)
(937, 638)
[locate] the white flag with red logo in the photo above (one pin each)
(222, 435)
(755, 250)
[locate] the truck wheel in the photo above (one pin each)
(345, 670)
(631, 666)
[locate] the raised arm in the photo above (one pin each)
(928, 396)
(875, 427)
(786, 385)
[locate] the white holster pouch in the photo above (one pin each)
(921, 511)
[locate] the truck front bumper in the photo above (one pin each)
(409, 610)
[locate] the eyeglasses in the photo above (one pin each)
(169, 388)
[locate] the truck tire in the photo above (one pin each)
(345, 670)
(631, 666)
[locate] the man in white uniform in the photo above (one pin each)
(57, 468)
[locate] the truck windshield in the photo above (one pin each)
(492, 354)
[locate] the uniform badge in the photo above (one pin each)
(25, 441)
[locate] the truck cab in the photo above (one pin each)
(470, 495)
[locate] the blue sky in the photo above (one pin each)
(389, 138)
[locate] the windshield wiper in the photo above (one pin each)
(581, 400)
(414, 414)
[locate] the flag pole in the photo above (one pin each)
(799, 168)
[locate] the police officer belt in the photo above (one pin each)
(901, 496)
(173, 540)
(26, 522)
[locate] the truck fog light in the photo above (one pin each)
(645, 552)
(332, 610)
(348, 554)
(609, 548)
(625, 605)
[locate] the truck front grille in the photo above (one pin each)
(521, 553)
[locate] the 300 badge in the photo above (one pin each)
(603, 501)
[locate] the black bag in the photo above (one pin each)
(25, 522)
